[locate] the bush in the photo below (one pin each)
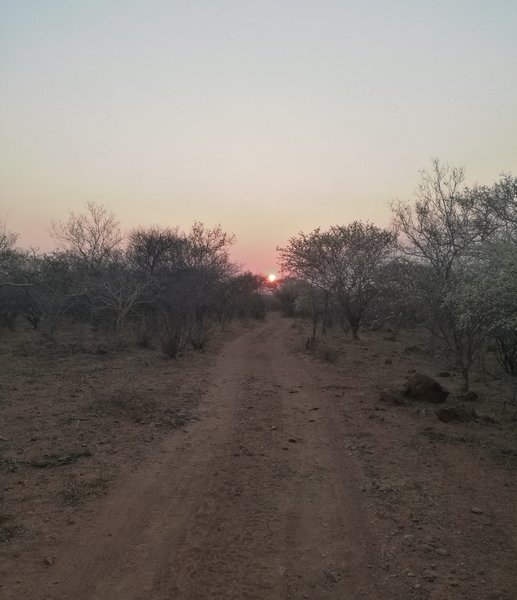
(174, 337)
(257, 307)
(506, 352)
(144, 334)
(327, 354)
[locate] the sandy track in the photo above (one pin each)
(256, 500)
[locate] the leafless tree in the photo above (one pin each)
(118, 293)
(240, 298)
(8, 239)
(154, 247)
(357, 252)
(54, 288)
(92, 237)
(442, 235)
(209, 249)
(342, 262)
(306, 256)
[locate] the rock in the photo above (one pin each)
(420, 412)
(488, 419)
(390, 396)
(411, 349)
(334, 576)
(49, 561)
(424, 388)
(376, 418)
(458, 413)
(468, 396)
(476, 510)
(442, 551)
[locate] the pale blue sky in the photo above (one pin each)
(267, 117)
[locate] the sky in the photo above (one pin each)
(269, 117)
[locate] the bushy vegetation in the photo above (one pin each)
(448, 263)
(161, 284)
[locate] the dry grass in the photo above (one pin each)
(77, 491)
(10, 529)
(411, 493)
(76, 408)
(124, 400)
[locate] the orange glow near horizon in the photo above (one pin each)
(271, 277)
(278, 146)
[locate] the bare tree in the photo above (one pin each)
(240, 297)
(54, 288)
(92, 237)
(342, 262)
(119, 294)
(209, 249)
(306, 256)
(436, 229)
(190, 273)
(496, 204)
(7, 253)
(8, 239)
(441, 236)
(154, 247)
(357, 253)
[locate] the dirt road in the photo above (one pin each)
(255, 500)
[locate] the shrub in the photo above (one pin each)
(506, 352)
(174, 337)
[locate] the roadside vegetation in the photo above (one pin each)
(448, 264)
(104, 347)
(414, 331)
(159, 287)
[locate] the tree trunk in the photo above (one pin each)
(354, 322)
(324, 322)
(465, 373)
(314, 331)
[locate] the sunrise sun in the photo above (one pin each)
(271, 277)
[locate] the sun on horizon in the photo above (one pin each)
(271, 278)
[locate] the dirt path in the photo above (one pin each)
(256, 500)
